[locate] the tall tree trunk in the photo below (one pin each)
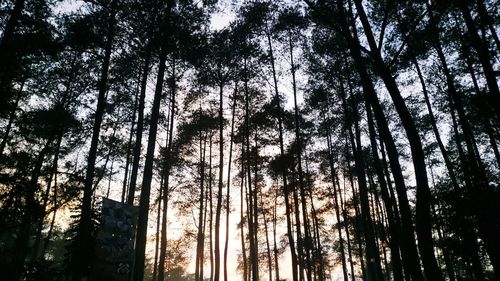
(210, 195)
(141, 237)
(163, 242)
(317, 250)
(53, 220)
(474, 169)
(298, 228)
(372, 255)
(53, 173)
(228, 205)
(251, 228)
(467, 235)
(380, 222)
(444, 153)
(199, 238)
(392, 218)
(249, 217)
(275, 246)
(345, 217)
(204, 231)
(109, 153)
(487, 229)
(423, 216)
(408, 247)
(268, 247)
(374, 271)
(28, 216)
(483, 53)
(298, 139)
(284, 171)
(218, 207)
(317, 258)
(333, 193)
(129, 143)
(242, 219)
(358, 227)
(166, 171)
(140, 127)
(487, 22)
(410, 255)
(255, 205)
(157, 236)
(446, 255)
(82, 248)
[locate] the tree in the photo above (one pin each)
(364, 135)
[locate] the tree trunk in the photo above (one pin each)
(337, 214)
(140, 128)
(484, 55)
(275, 246)
(129, 143)
(28, 216)
(346, 226)
(334, 194)
(446, 255)
(423, 216)
(228, 206)
(394, 224)
(317, 250)
(444, 153)
(475, 172)
(242, 219)
(82, 249)
(358, 227)
(372, 256)
(141, 237)
(487, 23)
(298, 228)
(163, 242)
(410, 255)
(251, 228)
(205, 212)
(36, 247)
(199, 238)
(298, 140)
(380, 222)
(255, 205)
(268, 247)
(53, 220)
(284, 172)
(111, 148)
(166, 171)
(221, 184)
(210, 210)
(157, 236)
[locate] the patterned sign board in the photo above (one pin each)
(115, 242)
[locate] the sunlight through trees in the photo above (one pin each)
(303, 140)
